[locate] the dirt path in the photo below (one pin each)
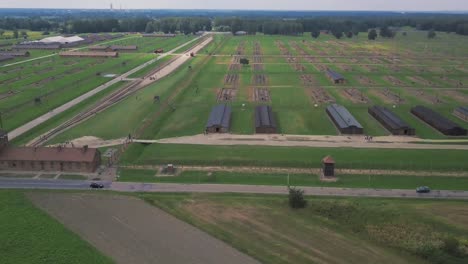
(131, 231)
(386, 142)
(30, 125)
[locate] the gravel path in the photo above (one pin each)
(388, 142)
(131, 231)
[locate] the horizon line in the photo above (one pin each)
(218, 9)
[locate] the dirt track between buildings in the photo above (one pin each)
(131, 231)
(388, 142)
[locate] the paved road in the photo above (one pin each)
(10, 183)
(305, 141)
(226, 188)
(39, 120)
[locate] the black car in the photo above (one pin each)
(423, 189)
(96, 185)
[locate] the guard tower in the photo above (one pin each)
(328, 167)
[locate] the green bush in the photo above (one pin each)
(296, 198)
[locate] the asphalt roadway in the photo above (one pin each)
(8, 183)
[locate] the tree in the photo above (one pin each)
(315, 34)
(15, 34)
(451, 246)
(24, 34)
(296, 198)
(2, 32)
(338, 34)
(372, 34)
(431, 34)
(385, 32)
(244, 61)
(404, 34)
(349, 34)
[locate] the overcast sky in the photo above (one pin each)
(397, 5)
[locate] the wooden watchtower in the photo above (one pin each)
(328, 167)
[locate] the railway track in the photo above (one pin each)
(108, 101)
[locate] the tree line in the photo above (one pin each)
(336, 25)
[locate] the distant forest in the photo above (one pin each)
(252, 22)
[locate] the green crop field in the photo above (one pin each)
(328, 230)
(29, 235)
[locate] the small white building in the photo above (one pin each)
(61, 40)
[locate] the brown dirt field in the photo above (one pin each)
(258, 67)
(457, 96)
(420, 80)
(368, 68)
(13, 70)
(355, 95)
(7, 94)
(308, 80)
(231, 79)
(387, 96)
(260, 94)
(73, 62)
(366, 81)
(291, 240)
(298, 67)
(234, 67)
(422, 95)
(320, 96)
(259, 80)
(345, 67)
(131, 231)
(320, 67)
(394, 81)
(456, 83)
(226, 95)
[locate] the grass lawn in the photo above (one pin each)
(328, 230)
(345, 181)
(350, 158)
(29, 235)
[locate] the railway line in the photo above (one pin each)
(122, 93)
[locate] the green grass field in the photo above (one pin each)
(366, 65)
(29, 235)
(304, 157)
(346, 181)
(329, 230)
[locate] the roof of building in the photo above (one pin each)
(264, 116)
(6, 57)
(89, 53)
(389, 117)
(158, 35)
(37, 45)
(220, 116)
(462, 109)
(14, 53)
(433, 117)
(328, 159)
(334, 75)
(342, 116)
(48, 154)
(117, 47)
(60, 39)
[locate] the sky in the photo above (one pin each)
(368, 5)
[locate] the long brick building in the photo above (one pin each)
(47, 159)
